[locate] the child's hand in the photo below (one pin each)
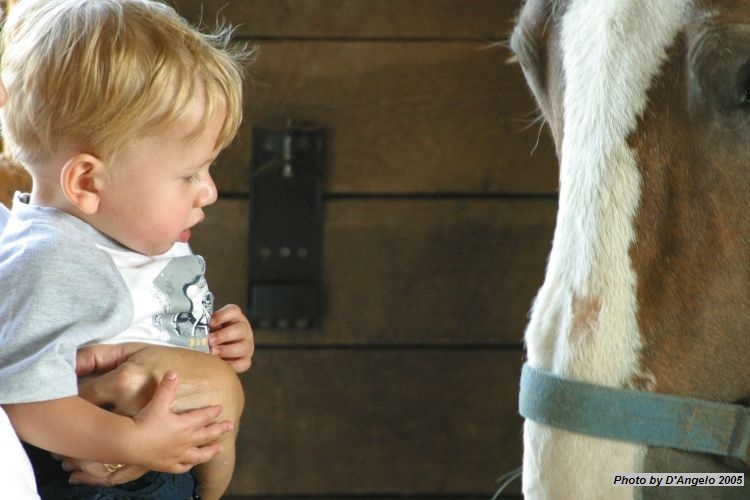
(231, 337)
(167, 442)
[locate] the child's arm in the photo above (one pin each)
(155, 437)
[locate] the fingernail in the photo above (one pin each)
(72, 480)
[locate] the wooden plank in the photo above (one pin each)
(370, 497)
(450, 272)
(401, 117)
(371, 422)
(400, 19)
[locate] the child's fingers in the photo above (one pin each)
(199, 455)
(235, 346)
(227, 314)
(165, 392)
(240, 365)
(232, 350)
(231, 334)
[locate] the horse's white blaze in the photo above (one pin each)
(611, 52)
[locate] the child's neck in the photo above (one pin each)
(49, 194)
(43, 195)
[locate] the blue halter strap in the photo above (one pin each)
(640, 417)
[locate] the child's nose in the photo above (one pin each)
(209, 193)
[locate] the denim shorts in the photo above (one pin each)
(52, 483)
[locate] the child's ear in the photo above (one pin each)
(81, 181)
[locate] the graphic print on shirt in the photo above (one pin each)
(187, 303)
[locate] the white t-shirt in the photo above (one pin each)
(16, 474)
(4, 213)
(75, 287)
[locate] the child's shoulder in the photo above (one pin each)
(41, 230)
(44, 244)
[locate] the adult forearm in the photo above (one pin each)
(128, 386)
(206, 380)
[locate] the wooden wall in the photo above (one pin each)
(440, 200)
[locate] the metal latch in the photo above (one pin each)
(286, 191)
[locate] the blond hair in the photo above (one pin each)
(98, 74)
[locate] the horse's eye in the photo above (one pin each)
(738, 88)
(745, 93)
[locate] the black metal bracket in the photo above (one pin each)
(286, 191)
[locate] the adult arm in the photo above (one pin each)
(127, 374)
(134, 374)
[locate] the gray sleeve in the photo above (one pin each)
(57, 295)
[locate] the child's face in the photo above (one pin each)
(160, 184)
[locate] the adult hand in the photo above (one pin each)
(156, 437)
(102, 358)
(96, 474)
(93, 360)
(127, 379)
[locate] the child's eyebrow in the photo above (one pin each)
(200, 164)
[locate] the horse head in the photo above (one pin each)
(648, 280)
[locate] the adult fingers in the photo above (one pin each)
(94, 469)
(103, 358)
(99, 476)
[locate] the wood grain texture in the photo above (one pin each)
(400, 117)
(438, 218)
(374, 422)
(413, 19)
(462, 496)
(450, 272)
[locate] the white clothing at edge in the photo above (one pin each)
(16, 474)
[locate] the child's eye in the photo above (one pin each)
(193, 178)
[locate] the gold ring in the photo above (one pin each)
(113, 467)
